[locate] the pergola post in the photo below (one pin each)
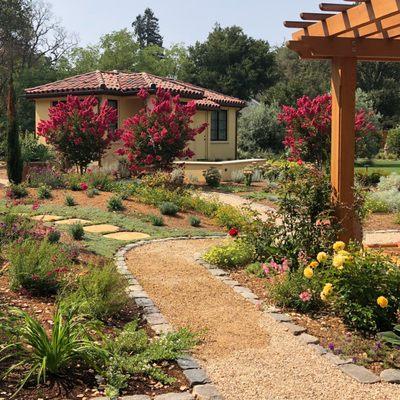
(344, 77)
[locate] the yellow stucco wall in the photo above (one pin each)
(203, 147)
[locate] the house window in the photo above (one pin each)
(219, 125)
(113, 104)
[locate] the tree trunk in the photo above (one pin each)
(14, 161)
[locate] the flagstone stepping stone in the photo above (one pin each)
(102, 228)
(73, 221)
(47, 218)
(127, 236)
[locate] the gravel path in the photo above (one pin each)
(246, 354)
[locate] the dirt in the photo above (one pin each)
(380, 221)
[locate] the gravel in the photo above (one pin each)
(246, 353)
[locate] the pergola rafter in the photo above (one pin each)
(366, 31)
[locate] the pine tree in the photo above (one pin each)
(147, 29)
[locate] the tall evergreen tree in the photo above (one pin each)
(147, 29)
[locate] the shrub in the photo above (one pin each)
(44, 192)
(194, 221)
(54, 236)
(255, 269)
(73, 181)
(377, 204)
(39, 267)
(168, 131)
(115, 204)
(100, 179)
(383, 201)
(177, 177)
(32, 150)
(16, 191)
(389, 182)
(79, 130)
(47, 176)
(231, 255)
(54, 354)
(393, 141)
(212, 177)
(231, 217)
(365, 287)
(100, 293)
(14, 227)
(76, 231)
(70, 201)
(168, 208)
(156, 220)
(237, 176)
(369, 180)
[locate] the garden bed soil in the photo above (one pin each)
(81, 383)
(132, 207)
(332, 332)
(381, 221)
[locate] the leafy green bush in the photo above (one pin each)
(32, 150)
(100, 293)
(70, 201)
(255, 269)
(393, 141)
(44, 192)
(168, 208)
(76, 231)
(212, 177)
(14, 227)
(375, 204)
(16, 191)
(100, 180)
(40, 267)
(45, 355)
(231, 217)
(47, 176)
(54, 236)
(73, 181)
(383, 201)
(194, 221)
(115, 204)
(156, 220)
(230, 255)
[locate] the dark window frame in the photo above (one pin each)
(114, 103)
(219, 131)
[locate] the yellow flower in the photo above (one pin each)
(382, 301)
(322, 257)
(327, 290)
(313, 264)
(323, 296)
(339, 246)
(338, 261)
(308, 272)
(344, 253)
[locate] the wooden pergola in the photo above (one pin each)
(367, 30)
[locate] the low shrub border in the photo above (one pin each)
(201, 386)
(359, 373)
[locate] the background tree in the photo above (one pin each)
(27, 34)
(393, 142)
(259, 130)
(231, 62)
(147, 29)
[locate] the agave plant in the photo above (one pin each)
(391, 337)
(51, 354)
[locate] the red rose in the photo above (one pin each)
(84, 186)
(233, 232)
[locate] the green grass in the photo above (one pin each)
(99, 244)
(261, 195)
(383, 166)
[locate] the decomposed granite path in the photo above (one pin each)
(247, 355)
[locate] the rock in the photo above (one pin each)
(359, 373)
(135, 397)
(174, 396)
(391, 375)
(217, 272)
(280, 317)
(308, 339)
(334, 359)
(139, 294)
(144, 302)
(155, 319)
(196, 376)
(230, 282)
(319, 349)
(162, 328)
(293, 328)
(206, 392)
(187, 363)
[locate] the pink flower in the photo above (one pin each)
(84, 186)
(35, 206)
(305, 296)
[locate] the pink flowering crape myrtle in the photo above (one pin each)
(308, 128)
(159, 133)
(79, 130)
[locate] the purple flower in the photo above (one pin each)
(331, 346)
(378, 345)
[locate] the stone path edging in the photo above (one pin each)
(202, 387)
(357, 372)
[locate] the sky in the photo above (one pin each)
(181, 21)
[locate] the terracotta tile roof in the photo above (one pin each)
(122, 83)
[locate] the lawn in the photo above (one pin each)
(382, 166)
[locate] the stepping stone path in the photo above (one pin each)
(102, 228)
(47, 218)
(72, 221)
(127, 236)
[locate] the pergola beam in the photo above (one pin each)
(355, 17)
(345, 47)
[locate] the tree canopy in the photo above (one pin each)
(147, 29)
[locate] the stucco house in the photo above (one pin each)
(217, 143)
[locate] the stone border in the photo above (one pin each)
(201, 386)
(359, 373)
